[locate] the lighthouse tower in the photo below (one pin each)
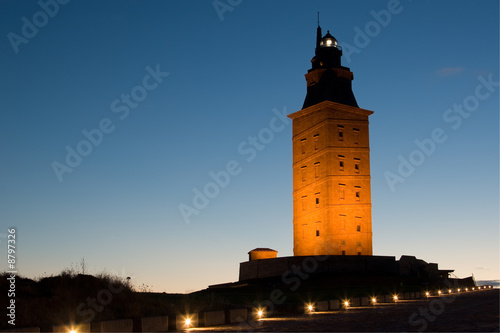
(331, 161)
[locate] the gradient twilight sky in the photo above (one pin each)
(119, 207)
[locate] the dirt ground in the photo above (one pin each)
(467, 312)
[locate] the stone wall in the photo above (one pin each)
(322, 264)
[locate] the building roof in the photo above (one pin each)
(262, 249)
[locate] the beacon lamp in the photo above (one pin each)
(346, 304)
(328, 41)
(395, 298)
(309, 307)
(374, 300)
(72, 330)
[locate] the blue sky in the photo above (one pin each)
(87, 65)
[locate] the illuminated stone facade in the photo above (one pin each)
(331, 162)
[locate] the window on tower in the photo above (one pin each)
(341, 163)
(316, 170)
(342, 222)
(304, 202)
(341, 132)
(317, 224)
(358, 223)
(303, 146)
(341, 191)
(356, 165)
(358, 192)
(358, 244)
(343, 242)
(356, 136)
(303, 172)
(316, 141)
(317, 199)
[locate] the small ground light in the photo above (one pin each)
(466, 289)
(478, 288)
(449, 291)
(427, 294)
(439, 292)
(310, 308)
(374, 300)
(72, 331)
(188, 322)
(458, 289)
(395, 297)
(260, 313)
(489, 286)
(346, 304)
(473, 288)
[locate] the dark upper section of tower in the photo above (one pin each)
(328, 80)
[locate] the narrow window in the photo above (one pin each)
(342, 222)
(359, 253)
(358, 192)
(317, 198)
(356, 165)
(316, 170)
(341, 132)
(356, 136)
(304, 202)
(303, 171)
(357, 220)
(343, 252)
(316, 141)
(343, 242)
(304, 227)
(303, 146)
(341, 191)
(317, 224)
(358, 244)
(341, 162)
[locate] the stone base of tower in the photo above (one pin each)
(279, 267)
(286, 268)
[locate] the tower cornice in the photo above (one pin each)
(329, 106)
